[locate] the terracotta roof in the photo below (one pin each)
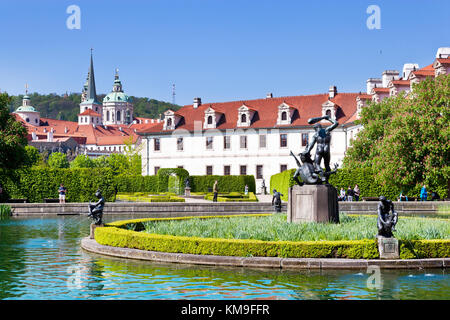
(427, 71)
(381, 90)
(266, 111)
(444, 61)
(364, 96)
(401, 82)
(89, 112)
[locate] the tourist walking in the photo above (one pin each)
(423, 193)
(62, 193)
(356, 191)
(350, 194)
(215, 190)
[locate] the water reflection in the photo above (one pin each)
(40, 258)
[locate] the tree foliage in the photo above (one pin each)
(58, 160)
(13, 137)
(405, 139)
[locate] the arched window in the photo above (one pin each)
(284, 115)
(107, 115)
(243, 117)
(328, 112)
(36, 120)
(169, 122)
(27, 119)
(210, 120)
(118, 115)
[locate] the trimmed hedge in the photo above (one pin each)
(122, 234)
(224, 183)
(36, 184)
(342, 179)
(136, 183)
(232, 197)
(142, 197)
(163, 178)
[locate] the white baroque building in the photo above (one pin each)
(255, 137)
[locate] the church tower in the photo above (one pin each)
(90, 108)
(117, 106)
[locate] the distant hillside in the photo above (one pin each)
(66, 107)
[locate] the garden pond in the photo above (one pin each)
(41, 258)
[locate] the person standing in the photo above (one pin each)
(246, 190)
(350, 194)
(423, 193)
(62, 193)
(356, 191)
(342, 195)
(215, 190)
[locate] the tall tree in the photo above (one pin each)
(13, 137)
(405, 139)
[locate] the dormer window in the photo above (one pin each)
(245, 116)
(212, 117)
(329, 109)
(285, 114)
(171, 120)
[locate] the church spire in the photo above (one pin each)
(91, 93)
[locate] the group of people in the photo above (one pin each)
(350, 194)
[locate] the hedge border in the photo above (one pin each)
(114, 234)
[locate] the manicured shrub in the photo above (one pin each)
(36, 184)
(282, 182)
(163, 178)
(136, 183)
(224, 183)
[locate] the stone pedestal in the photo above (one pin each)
(388, 248)
(92, 233)
(313, 203)
(187, 192)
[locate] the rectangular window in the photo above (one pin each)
(283, 167)
(226, 170)
(209, 170)
(305, 139)
(243, 170)
(157, 146)
(262, 141)
(259, 172)
(180, 167)
(226, 142)
(156, 170)
(209, 143)
(283, 140)
(180, 144)
(243, 143)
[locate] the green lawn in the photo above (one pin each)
(275, 227)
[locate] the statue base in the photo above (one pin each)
(92, 233)
(187, 192)
(388, 248)
(313, 203)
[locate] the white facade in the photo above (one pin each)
(193, 154)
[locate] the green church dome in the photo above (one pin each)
(116, 96)
(26, 109)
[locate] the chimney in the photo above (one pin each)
(372, 83)
(197, 103)
(269, 95)
(66, 130)
(120, 129)
(443, 53)
(332, 92)
(45, 130)
(407, 68)
(49, 136)
(389, 75)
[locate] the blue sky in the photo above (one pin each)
(214, 49)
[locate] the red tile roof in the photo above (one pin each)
(401, 82)
(89, 112)
(267, 111)
(381, 90)
(427, 71)
(444, 61)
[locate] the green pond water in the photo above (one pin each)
(41, 258)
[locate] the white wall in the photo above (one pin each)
(195, 157)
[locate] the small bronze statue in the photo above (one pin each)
(276, 200)
(96, 209)
(187, 183)
(387, 218)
